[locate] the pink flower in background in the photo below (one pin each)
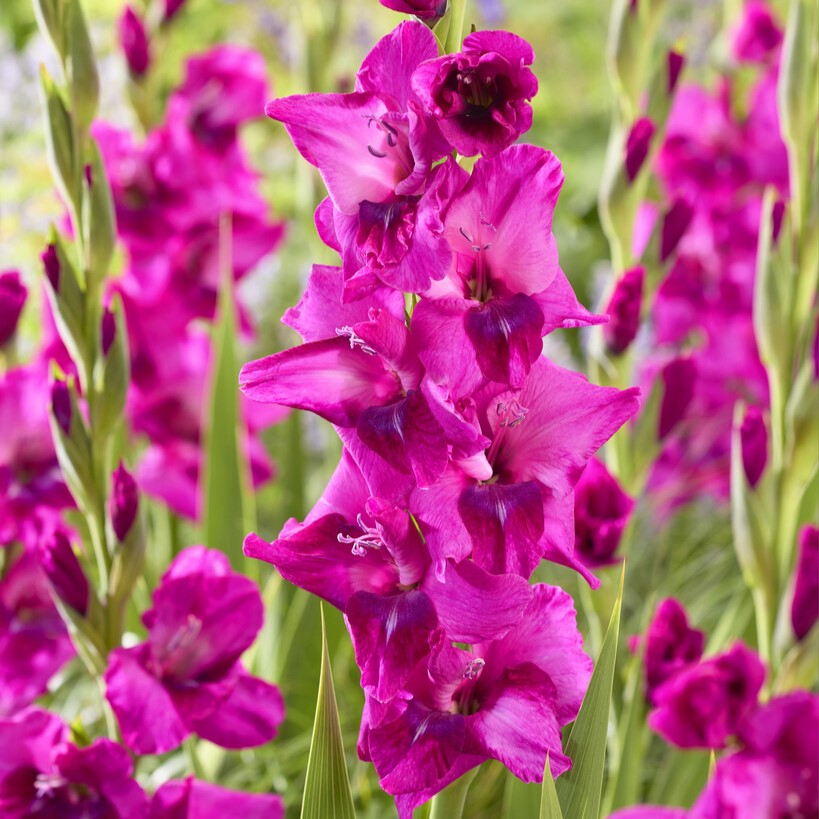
(43, 774)
(773, 772)
(186, 678)
(776, 770)
(805, 606)
(34, 643)
(223, 88)
(601, 513)
(704, 705)
(480, 96)
(624, 310)
(30, 477)
(192, 799)
(134, 40)
(12, 299)
(671, 645)
(758, 36)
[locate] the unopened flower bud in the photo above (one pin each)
(111, 370)
(59, 131)
(624, 311)
(601, 512)
(679, 377)
(172, 8)
(66, 297)
(637, 146)
(805, 607)
(12, 298)
(424, 9)
(754, 437)
(674, 63)
(71, 441)
(82, 67)
(61, 405)
(100, 222)
(123, 503)
(134, 40)
(63, 570)
(108, 330)
(675, 223)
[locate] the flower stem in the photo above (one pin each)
(449, 803)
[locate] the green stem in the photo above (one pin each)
(457, 16)
(449, 803)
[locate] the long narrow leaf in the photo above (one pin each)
(579, 789)
(227, 496)
(549, 804)
(520, 799)
(327, 793)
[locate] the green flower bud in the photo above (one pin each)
(81, 67)
(111, 371)
(72, 443)
(98, 217)
(61, 150)
(67, 299)
(49, 14)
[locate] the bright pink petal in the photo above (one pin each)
(473, 605)
(331, 378)
(143, 707)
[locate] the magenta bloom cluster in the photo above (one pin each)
(462, 443)
(44, 774)
(771, 765)
(180, 197)
(713, 167)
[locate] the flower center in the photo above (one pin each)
(480, 284)
(510, 414)
(370, 539)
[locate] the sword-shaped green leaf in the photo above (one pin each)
(228, 510)
(327, 793)
(579, 789)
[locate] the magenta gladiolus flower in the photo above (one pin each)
(186, 678)
(671, 645)
(704, 705)
(42, 774)
(424, 9)
(805, 606)
(505, 289)
(192, 799)
(30, 477)
(757, 37)
(601, 513)
(366, 557)
(624, 310)
(776, 772)
(506, 700)
(480, 96)
(34, 644)
(223, 88)
(375, 151)
(12, 299)
(134, 40)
